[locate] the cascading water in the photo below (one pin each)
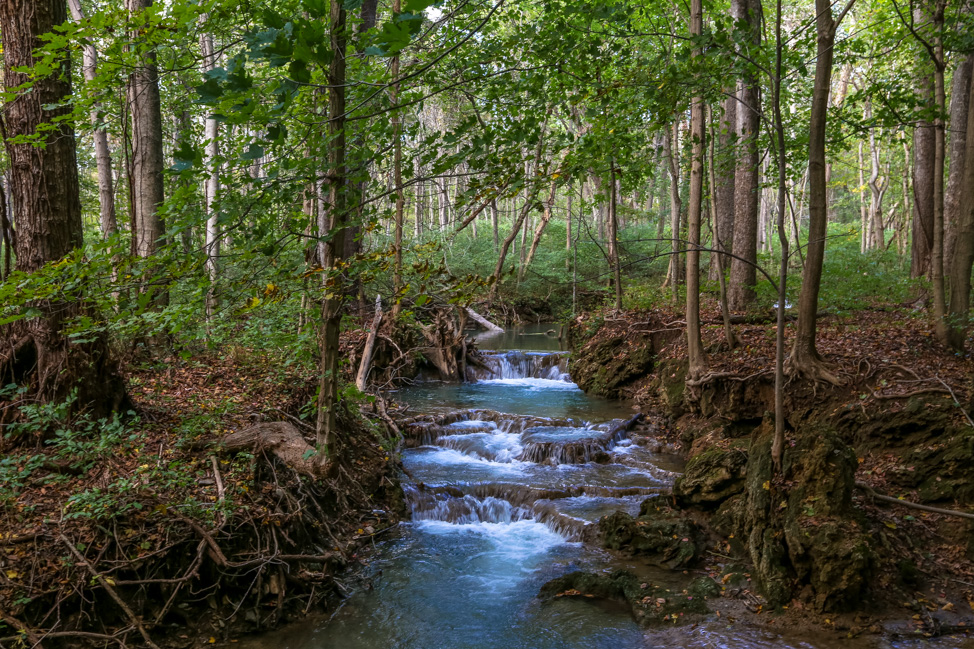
(507, 476)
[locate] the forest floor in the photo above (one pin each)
(147, 510)
(903, 408)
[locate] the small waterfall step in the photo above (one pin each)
(516, 364)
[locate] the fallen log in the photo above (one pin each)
(484, 322)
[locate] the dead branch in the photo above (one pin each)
(911, 505)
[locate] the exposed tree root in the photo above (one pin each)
(802, 365)
(283, 440)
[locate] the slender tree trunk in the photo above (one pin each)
(778, 443)
(804, 359)
(743, 275)
(494, 224)
(924, 155)
(863, 205)
(397, 281)
(331, 309)
(671, 150)
(212, 186)
(877, 190)
(613, 223)
(696, 358)
(542, 224)
(45, 192)
(103, 156)
(939, 153)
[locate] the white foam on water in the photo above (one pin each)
(473, 423)
(496, 447)
(533, 384)
(438, 455)
(513, 541)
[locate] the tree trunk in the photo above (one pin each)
(542, 224)
(212, 186)
(924, 153)
(44, 189)
(331, 307)
(613, 223)
(147, 165)
(724, 177)
(697, 359)
(743, 276)
(397, 282)
(103, 156)
(863, 205)
(671, 150)
(877, 190)
(959, 99)
(804, 359)
(963, 258)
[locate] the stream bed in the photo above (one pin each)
(507, 478)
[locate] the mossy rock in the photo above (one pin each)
(605, 366)
(710, 478)
(651, 605)
(805, 532)
(662, 536)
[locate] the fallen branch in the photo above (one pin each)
(361, 379)
(484, 322)
(911, 505)
(111, 591)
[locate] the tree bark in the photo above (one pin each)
(613, 223)
(743, 275)
(963, 258)
(696, 358)
(959, 100)
(877, 190)
(723, 181)
(44, 189)
(397, 282)
(212, 184)
(147, 162)
(804, 359)
(334, 292)
(924, 154)
(99, 135)
(671, 151)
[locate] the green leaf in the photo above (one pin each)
(253, 152)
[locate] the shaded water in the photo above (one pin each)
(503, 496)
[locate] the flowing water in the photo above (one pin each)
(507, 477)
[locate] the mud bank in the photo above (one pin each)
(813, 538)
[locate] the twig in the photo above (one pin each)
(956, 402)
(111, 591)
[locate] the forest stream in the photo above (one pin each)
(505, 483)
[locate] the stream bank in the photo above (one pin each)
(813, 538)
